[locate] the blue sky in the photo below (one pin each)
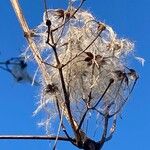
(130, 19)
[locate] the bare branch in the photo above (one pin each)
(103, 138)
(32, 44)
(59, 128)
(84, 115)
(125, 100)
(82, 120)
(32, 137)
(45, 8)
(65, 92)
(63, 127)
(110, 83)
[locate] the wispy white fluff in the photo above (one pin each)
(88, 73)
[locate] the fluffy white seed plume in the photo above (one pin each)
(93, 58)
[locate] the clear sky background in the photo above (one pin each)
(130, 19)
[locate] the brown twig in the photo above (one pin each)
(59, 66)
(103, 138)
(125, 100)
(30, 41)
(65, 92)
(63, 127)
(110, 83)
(32, 137)
(93, 108)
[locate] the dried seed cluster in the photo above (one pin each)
(91, 55)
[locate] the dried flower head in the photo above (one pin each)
(91, 59)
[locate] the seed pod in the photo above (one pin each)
(133, 75)
(90, 55)
(51, 88)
